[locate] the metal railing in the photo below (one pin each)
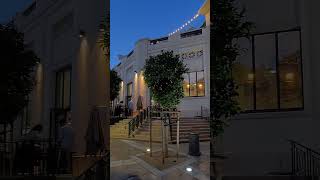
(100, 170)
(31, 158)
(305, 161)
(137, 121)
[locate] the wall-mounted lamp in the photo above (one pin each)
(82, 34)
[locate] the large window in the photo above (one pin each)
(129, 92)
(193, 84)
(25, 118)
(63, 89)
(269, 73)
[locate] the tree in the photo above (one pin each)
(228, 25)
(19, 63)
(105, 40)
(115, 81)
(164, 76)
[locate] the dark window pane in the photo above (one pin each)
(67, 86)
(129, 89)
(243, 75)
(193, 84)
(290, 70)
(63, 86)
(200, 84)
(186, 85)
(59, 90)
(265, 71)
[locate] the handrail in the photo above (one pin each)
(137, 121)
(14, 153)
(98, 164)
(307, 148)
(305, 161)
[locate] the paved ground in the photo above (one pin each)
(128, 161)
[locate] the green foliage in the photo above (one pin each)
(115, 81)
(228, 25)
(19, 64)
(164, 76)
(105, 40)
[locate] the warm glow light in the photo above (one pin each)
(200, 85)
(148, 149)
(188, 86)
(289, 76)
(250, 77)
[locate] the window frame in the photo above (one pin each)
(189, 89)
(63, 70)
(254, 98)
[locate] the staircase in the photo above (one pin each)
(192, 125)
(120, 129)
(187, 125)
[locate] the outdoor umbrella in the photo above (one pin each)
(94, 136)
(139, 103)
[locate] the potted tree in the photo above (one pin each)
(164, 76)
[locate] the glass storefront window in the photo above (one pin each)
(243, 75)
(200, 84)
(186, 85)
(194, 84)
(290, 70)
(63, 89)
(269, 73)
(265, 72)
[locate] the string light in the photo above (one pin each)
(184, 25)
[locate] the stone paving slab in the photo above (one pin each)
(156, 160)
(122, 151)
(129, 161)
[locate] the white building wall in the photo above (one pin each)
(89, 87)
(189, 106)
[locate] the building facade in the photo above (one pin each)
(73, 71)
(278, 83)
(193, 48)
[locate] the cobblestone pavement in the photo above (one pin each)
(127, 162)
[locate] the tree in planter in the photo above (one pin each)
(228, 25)
(105, 40)
(164, 76)
(115, 81)
(19, 64)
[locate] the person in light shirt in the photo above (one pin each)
(130, 107)
(66, 138)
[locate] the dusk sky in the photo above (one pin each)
(131, 20)
(134, 20)
(8, 8)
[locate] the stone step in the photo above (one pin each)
(186, 140)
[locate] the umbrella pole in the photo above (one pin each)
(162, 135)
(178, 131)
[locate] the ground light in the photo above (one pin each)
(189, 169)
